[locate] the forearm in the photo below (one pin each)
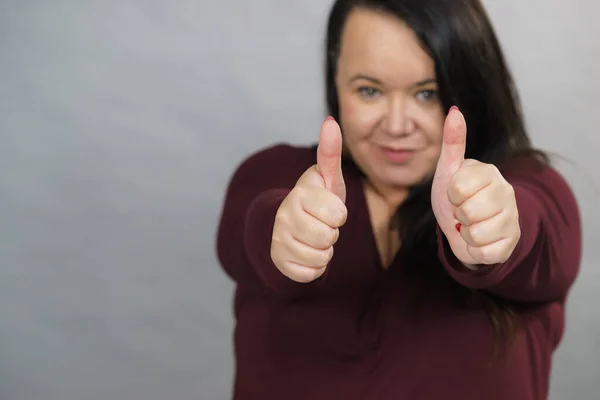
(244, 247)
(546, 260)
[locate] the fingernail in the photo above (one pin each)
(453, 108)
(458, 226)
(329, 118)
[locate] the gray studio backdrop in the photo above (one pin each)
(120, 123)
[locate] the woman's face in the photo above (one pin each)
(390, 113)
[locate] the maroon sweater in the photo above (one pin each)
(351, 334)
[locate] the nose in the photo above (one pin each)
(397, 121)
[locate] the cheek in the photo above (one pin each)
(358, 120)
(431, 123)
(357, 126)
(430, 159)
(432, 154)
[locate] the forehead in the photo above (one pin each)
(382, 45)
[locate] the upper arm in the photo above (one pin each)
(546, 260)
(556, 250)
(273, 169)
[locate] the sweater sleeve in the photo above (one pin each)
(252, 199)
(546, 260)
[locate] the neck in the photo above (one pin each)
(392, 197)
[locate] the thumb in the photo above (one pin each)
(454, 142)
(329, 157)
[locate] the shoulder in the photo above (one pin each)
(280, 163)
(532, 168)
(282, 152)
(539, 175)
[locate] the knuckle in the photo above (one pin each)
(341, 216)
(490, 255)
(300, 277)
(315, 273)
(280, 249)
(457, 191)
(283, 226)
(467, 211)
(308, 177)
(298, 274)
(324, 258)
(336, 236)
(329, 256)
(282, 217)
(287, 209)
(332, 212)
(289, 270)
(314, 228)
(336, 217)
(475, 235)
(461, 189)
(277, 242)
(325, 212)
(485, 256)
(487, 167)
(510, 190)
(304, 275)
(275, 254)
(330, 253)
(299, 192)
(494, 169)
(330, 236)
(517, 223)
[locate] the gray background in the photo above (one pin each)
(120, 123)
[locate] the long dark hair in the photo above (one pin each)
(471, 73)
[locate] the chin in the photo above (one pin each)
(404, 183)
(393, 175)
(397, 179)
(410, 172)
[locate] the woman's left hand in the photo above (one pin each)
(474, 205)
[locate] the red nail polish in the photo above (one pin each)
(330, 118)
(458, 226)
(453, 108)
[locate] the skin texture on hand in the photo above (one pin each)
(476, 196)
(308, 221)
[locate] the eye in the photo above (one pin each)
(368, 92)
(427, 95)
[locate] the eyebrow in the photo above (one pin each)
(378, 82)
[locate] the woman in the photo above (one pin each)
(454, 251)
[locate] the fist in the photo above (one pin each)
(474, 205)
(308, 221)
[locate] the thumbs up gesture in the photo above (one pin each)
(474, 205)
(308, 221)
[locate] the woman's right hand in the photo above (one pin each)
(308, 221)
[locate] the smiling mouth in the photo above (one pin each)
(398, 156)
(397, 150)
